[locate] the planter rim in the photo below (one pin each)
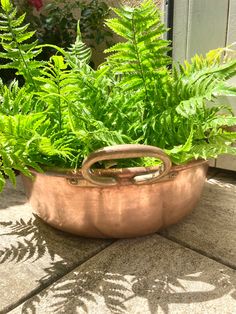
(123, 176)
(69, 172)
(116, 172)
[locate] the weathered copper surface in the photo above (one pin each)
(117, 203)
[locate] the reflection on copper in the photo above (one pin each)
(124, 207)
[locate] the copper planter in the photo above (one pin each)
(117, 203)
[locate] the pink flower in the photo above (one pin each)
(36, 3)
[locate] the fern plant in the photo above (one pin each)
(65, 109)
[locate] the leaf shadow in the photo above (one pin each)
(113, 291)
(32, 239)
(31, 243)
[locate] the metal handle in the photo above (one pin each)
(121, 152)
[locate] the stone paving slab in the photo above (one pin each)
(32, 254)
(149, 275)
(210, 228)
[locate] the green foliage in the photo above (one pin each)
(141, 59)
(14, 36)
(78, 52)
(56, 21)
(65, 109)
(93, 15)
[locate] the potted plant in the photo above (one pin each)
(158, 125)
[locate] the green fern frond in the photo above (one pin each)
(211, 150)
(46, 147)
(140, 59)
(204, 77)
(15, 99)
(219, 121)
(78, 54)
(14, 40)
(50, 89)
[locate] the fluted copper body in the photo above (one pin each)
(117, 203)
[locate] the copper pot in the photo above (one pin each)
(117, 203)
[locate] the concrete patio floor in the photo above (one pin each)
(188, 268)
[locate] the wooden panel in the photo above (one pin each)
(231, 36)
(180, 30)
(199, 26)
(207, 25)
(212, 162)
(228, 161)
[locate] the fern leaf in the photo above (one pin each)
(14, 39)
(219, 122)
(78, 54)
(6, 5)
(142, 57)
(189, 107)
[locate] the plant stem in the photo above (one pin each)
(59, 101)
(140, 66)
